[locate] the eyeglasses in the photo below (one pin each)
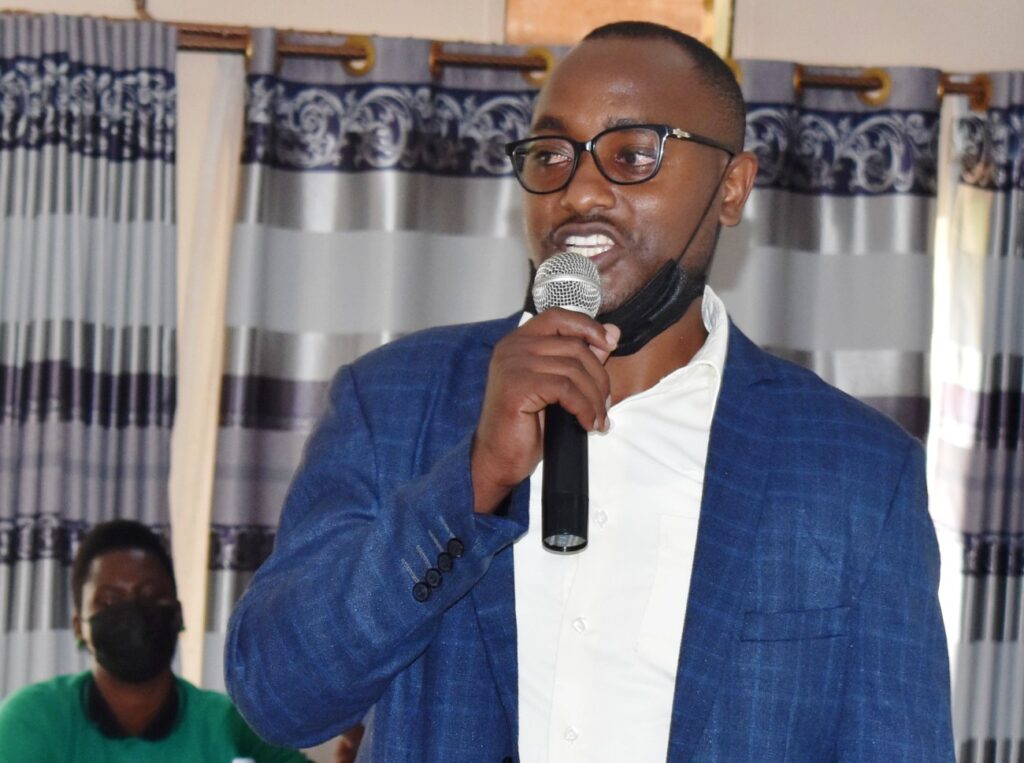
(624, 155)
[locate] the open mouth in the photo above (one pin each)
(588, 246)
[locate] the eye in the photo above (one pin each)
(548, 158)
(636, 157)
(547, 154)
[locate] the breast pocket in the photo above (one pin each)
(796, 625)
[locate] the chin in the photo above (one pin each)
(609, 303)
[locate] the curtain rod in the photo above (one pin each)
(357, 54)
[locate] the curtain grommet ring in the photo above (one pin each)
(537, 77)
(361, 66)
(880, 95)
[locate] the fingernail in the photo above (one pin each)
(608, 402)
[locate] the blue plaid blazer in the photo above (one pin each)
(812, 630)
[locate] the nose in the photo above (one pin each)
(588, 189)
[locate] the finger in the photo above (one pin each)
(612, 335)
(570, 324)
(532, 372)
(566, 383)
(584, 407)
(524, 349)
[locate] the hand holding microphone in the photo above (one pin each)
(555, 359)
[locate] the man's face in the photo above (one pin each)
(630, 231)
(120, 576)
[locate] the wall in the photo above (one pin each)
(954, 35)
(479, 20)
(960, 35)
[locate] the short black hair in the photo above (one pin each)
(715, 73)
(116, 535)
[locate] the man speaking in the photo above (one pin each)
(759, 580)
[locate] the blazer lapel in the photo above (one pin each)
(734, 483)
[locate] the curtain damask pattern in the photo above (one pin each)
(370, 207)
(87, 321)
(831, 265)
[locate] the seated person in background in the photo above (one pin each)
(129, 706)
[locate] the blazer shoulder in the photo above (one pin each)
(804, 402)
(443, 363)
(433, 348)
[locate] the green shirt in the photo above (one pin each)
(47, 722)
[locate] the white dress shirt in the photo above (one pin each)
(599, 631)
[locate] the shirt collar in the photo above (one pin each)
(716, 322)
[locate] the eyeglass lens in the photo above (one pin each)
(623, 156)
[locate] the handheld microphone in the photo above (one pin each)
(569, 281)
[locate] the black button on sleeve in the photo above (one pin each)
(445, 562)
(455, 547)
(421, 592)
(433, 577)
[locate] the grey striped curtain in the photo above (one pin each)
(371, 206)
(87, 308)
(831, 266)
(978, 431)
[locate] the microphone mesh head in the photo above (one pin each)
(570, 281)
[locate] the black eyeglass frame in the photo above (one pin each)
(663, 131)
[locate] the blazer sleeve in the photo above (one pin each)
(897, 705)
(332, 617)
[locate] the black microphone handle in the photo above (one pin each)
(564, 495)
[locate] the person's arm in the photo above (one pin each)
(897, 705)
(249, 745)
(344, 603)
(331, 617)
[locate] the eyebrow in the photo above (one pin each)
(548, 122)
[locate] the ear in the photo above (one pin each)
(76, 626)
(739, 179)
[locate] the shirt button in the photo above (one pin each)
(601, 518)
(571, 734)
(579, 625)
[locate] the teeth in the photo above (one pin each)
(588, 246)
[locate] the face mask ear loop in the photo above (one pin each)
(707, 208)
(664, 298)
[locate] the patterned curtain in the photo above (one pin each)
(87, 311)
(978, 427)
(831, 264)
(371, 206)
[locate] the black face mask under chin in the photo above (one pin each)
(654, 307)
